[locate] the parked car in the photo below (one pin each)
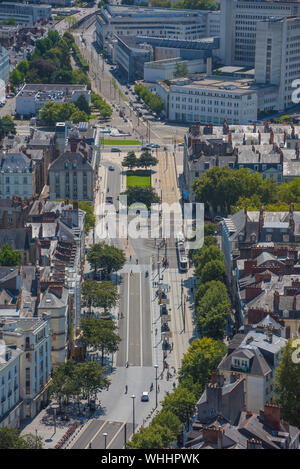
(111, 168)
(115, 150)
(109, 199)
(145, 396)
(181, 144)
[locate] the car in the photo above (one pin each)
(111, 168)
(218, 218)
(144, 148)
(155, 145)
(115, 150)
(181, 144)
(145, 396)
(109, 199)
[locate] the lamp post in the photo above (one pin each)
(133, 414)
(105, 436)
(156, 368)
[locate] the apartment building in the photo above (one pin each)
(4, 65)
(10, 401)
(239, 20)
(156, 22)
(32, 336)
(24, 13)
(17, 175)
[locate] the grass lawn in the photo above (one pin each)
(136, 179)
(108, 141)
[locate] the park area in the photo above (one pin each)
(139, 178)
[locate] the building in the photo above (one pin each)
(255, 359)
(24, 13)
(32, 97)
(17, 175)
(156, 22)
(4, 65)
(10, 403)
(164, 69)
(239, 19)
(131, 57)
(32, 336)
(262, 430)
(212, 99)
(277, 57)
(55, 303)
(72, 174)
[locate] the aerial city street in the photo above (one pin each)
(150, 225)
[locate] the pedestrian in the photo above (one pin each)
(130, 257)
(126, 389)
(158, 388)
(156, 331)
(174, 385)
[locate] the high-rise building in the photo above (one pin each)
(277, 57)
(239, 20)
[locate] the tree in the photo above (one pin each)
(182, 403)
(89, 219)
(8, 256)
(167, 419)
(146, 159)
(130, 161)
(143, 195)
(82, 104)
(205, 255)
(110, 258)
(10, 438)
(147, 438)
(209, 229)
(201, 359)
(181, 70)
(79, 116)
(213, 270)
(16, 77)
(213, 323)
(103, 295)
(100, 335)
(287, 385)
(7, 126)
(90, 379)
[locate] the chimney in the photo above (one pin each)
(252, 443)
(212, 434)
(209, 66)
(271, 141)
(38, 281)
(73, 144)
(295, 303)
(292, 222)
(259, 137)
(230, 138)
(261, 219)
(75, 205)
(276, 300)
(41, 231)
(272, 415)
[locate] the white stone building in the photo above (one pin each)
(32, 336)
(10, 402)
(24, 13)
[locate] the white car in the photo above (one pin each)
(145, 396)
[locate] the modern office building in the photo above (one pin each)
(156, 22)
(277, 57)
(238, 26)
(131, 57)
(24, 13)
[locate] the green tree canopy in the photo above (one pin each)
(103, 295)
(100, 335)
(130, 161)
(82, 104)
(201, 359)
(213, 270)
(287, 384)
(10, 438)
(143, 195)
(8, 256)
(182, 403)
(147, 159)
(109, 258)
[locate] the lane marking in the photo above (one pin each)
(115, 436)
(96, 434)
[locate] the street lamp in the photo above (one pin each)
(156, 368)
(133, 415)
(105, 436)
